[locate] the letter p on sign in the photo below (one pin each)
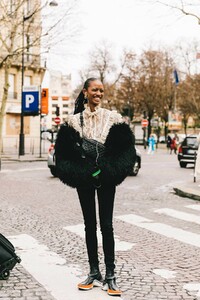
(28, 100)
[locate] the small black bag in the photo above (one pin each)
(91, 148)
(8, 257)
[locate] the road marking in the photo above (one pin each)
(80, 231)
(163, 229)
(51, 271)
(167, 274)
(179, 215)
(194, 206)
(193, 287)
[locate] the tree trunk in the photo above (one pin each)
(3, 103)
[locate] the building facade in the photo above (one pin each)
(21, 55)
(60, 99)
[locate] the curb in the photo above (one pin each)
(187, 193)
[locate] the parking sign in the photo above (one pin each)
(30, 100)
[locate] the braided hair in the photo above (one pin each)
(81, 100)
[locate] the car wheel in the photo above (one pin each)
(183, 164)
(53, 171)
(135, 169)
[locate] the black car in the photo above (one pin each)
(187, 150)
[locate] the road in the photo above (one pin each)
(156, 232)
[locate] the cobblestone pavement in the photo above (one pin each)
(163, 262)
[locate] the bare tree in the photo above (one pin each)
(103, 65)
(21, 33)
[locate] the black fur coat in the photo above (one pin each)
(115, 165)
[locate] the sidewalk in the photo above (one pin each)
(189, 190)
(23, 158)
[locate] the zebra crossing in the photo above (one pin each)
(39, 261)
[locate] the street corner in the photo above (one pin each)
(188, 190)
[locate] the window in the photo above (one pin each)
(27, 80)
(11, 91)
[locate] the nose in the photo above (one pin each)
(98, 93)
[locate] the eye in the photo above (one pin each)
(101, 91)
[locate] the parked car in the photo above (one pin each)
(52, 166)
(187, 150)
(162, 139)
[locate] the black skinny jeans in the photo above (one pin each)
(105, 197)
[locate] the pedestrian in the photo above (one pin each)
(169, 139)
(151, 144)
(95, 177)
(173, 145)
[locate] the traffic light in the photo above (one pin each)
(57, 111)
(44, 101)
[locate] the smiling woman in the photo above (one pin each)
(98, 174)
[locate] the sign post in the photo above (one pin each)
(57, 120)
(144, 124)
(30, 100)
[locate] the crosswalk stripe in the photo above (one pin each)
(51, 271)
(119, 245)
(194, 206)
(163, 229)
(179, 215)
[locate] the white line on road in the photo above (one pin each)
(193, 287)
(179, 215)
(194, 206)
(164, 273)
(51, 271)
(119, 245)
(166, 230)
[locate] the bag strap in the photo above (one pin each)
(81, 121)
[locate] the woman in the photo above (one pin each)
(78, 170)
(151, 145)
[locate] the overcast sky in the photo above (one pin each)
(132, 24)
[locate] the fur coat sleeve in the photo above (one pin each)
(115, 165)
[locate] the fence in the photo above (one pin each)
(10, 145)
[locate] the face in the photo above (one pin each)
(94, 93)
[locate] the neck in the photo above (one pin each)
(92, 107)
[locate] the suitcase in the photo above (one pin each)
(8, 257)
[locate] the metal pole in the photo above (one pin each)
(21, 135)
(40, 134)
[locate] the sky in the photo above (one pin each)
(131, 24)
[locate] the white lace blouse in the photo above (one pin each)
(96, 124)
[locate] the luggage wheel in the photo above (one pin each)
(5, 274)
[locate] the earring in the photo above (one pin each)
(85, 96)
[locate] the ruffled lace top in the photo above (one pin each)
(96, 124)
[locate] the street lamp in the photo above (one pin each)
(52, 3)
